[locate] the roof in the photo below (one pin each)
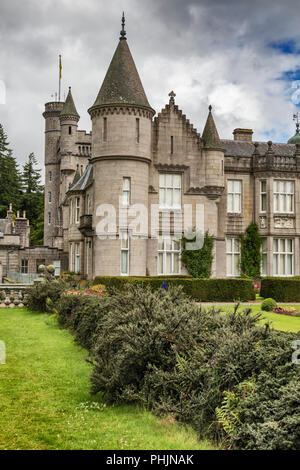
(122, 84)
(210, 134)
(239, 148)
(69, 108)
(84, 180)
(296, 138)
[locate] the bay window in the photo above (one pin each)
(283, 257)
(283, 196)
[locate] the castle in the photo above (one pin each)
(138, 159)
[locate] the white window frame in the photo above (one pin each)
(280, 256)
(233, 252)
(24, 266)
(163, 251)
(264, 253)
(236, 195)
(57, 266)
(170, 183)
(125, 248)
(126, 194)
(77, 210)
(263, 196)
(282, 196)
(71, 211)
(77, 257)
(71, 258)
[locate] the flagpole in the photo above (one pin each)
(59, 80)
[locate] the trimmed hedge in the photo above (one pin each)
(281, 289)
(202, 290)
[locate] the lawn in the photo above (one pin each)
(45, 401)
(278, 321)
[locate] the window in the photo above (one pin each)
(170, 191)
(172, 144)
(49, 197)
(49, 218)
(234, 196)
(283, 257)
(50, 176)
(71, 258)
(124, 253)
(264, 257)
(56, 265)
(105, 129)
(168, 255)
(24, 266)
(284, 196)
(70, 130)
(88, 251)
(126, 191)
(88, 204)
(71, 212)
(77, 257)
(77, 210)
(263, 196)
(137, 129)
(233, 255)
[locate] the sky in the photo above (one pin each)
(241, 57)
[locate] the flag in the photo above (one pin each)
(60, 66)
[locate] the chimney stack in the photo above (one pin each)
(243, 134)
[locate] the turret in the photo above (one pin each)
(69, 122)
(52, 171)
(214, 154)
(121, 149)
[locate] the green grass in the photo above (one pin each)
(278, 321)
(45, 401)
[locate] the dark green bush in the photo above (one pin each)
(160, 349)
(198, 262)
(202, 290)
(43, 296)
(281, 289)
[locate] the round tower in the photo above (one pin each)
(52, 170)
(121, 153)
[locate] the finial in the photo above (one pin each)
(123, 32)
(69, 89)
(210, 108)
(172, 97)
(270, 143)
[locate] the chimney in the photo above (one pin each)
(243, 134)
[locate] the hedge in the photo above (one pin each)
(281, 289)
(202, 290)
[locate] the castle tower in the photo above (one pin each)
(69, 118)
(121, 154)
(52, 170)
(214, 154)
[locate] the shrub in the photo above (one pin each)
(198, 262)
(251, 252)
(202, 290)
(45, 294)
(281, 289)
(268, 305)
(223, 374)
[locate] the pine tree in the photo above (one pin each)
(10, 182)
(33, 198)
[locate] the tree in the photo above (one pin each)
(251, 252)
(198, 262)
(10, 181)
(33, 198)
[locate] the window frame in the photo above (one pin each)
(165, 251)
(279, 254)
(285, 194)
(263, 195)
(232, 253)
(126, 201)
(234, 194)
(165, 187)
(24, 266)
(77, 257)
(124, 249)
(77, 210)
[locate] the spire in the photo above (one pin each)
(122, 84)
(210, 134)
(123, 32)
(69, 108)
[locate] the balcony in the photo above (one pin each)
(85, 225)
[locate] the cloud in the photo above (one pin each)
(242, 57)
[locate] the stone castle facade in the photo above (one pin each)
(164, 161)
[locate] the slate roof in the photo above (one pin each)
(84, 180)
(122, 84)
(69, 108)
(239, 148)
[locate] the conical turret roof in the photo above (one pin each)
(122, 84)
(69, 108)
(296, 138)
(210, 134)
